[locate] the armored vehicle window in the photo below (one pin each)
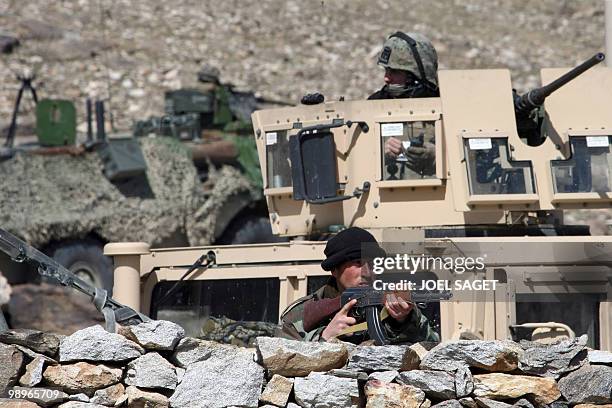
(588, 170)
(315, 282)
(416, 141)
(491, 170)
(579, 311)
(237, 299)
(277, 158)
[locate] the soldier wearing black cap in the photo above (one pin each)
(316, 317)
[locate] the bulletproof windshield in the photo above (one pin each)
(492, 171)
(589, 169)
(277, 159)
(408, 150)
(196, 305)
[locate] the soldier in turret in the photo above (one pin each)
(411, 71)
(318, 317)
(411, 67)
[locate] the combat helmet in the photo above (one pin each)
(208, 73)
(411, 52)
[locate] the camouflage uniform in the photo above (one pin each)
(414, 329)
(397, 54)
(411, 92)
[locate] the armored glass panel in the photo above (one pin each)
(579, 311)
(408, 150)
(588, 170)
(277, 159)
(313, 283)
(492, 171)
(197, 305)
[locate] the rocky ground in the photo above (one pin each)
(154, 365)
(131, 51)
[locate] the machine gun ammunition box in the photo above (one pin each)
(122, 158)
(56, 122)
(188, 101)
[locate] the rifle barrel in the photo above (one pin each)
(568, 76)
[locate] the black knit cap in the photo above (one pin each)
(348, 244)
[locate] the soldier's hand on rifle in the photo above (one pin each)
(422, 159)
(393, 147)
(398, 306)
(340, 321)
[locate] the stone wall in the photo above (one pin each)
(5, 290)
(154, 365)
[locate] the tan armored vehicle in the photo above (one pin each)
(488, 195)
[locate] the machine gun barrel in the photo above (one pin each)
(524, 104)
(113, 311)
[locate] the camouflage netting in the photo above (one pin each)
(50, 198)
(226, 181)
(239, 333)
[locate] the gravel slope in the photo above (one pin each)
(282, 49)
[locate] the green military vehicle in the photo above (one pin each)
(70, 199)
(213, 120)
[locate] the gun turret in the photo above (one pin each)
(530, 126)
(524, 104)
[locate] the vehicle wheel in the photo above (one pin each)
(86, 259)
(250, 229)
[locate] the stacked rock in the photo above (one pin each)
(153, 365)
(463, 373)
(5, 290)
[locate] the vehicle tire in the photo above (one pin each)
(86, 259)
(250, 229)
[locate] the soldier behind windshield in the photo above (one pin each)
(411, 71)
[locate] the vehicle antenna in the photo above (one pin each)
(103, 14)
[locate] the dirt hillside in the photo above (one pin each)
(282, 49)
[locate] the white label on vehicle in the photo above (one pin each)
(392, 129)
(480, 144)
(597, 141)
(271, 138)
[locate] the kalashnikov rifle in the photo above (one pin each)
(368, 308)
